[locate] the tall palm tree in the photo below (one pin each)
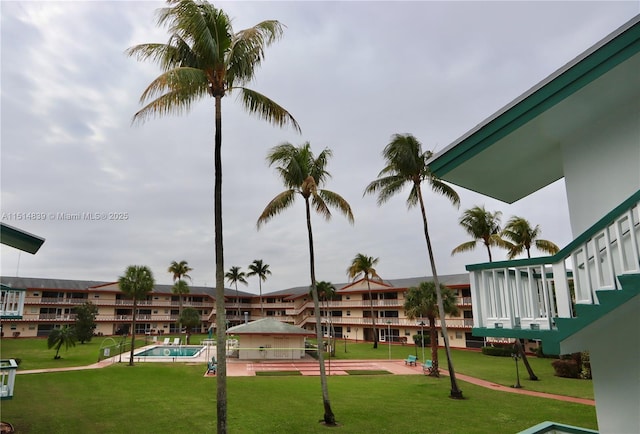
(206, 57)
(522, 236)
(58, 337)
(422, 301)
(481, 225)
(362, 265)
(190, 318)
(136, 283)
(484, 225)
(234, 275)
(258, 268)
(180, 287)
(407, 164)
(304, 174)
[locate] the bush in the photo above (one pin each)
(498, 351)
(586, 366)
(567, 368)
(418, 337)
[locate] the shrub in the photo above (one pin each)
(567, 368)
(498, 351)
(418, 337)
(586, 366)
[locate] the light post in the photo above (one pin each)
(516, 356)
(422, 339)
(345, 342)
(389, 337)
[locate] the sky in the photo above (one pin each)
(352, 73)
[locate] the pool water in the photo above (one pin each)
(170, 351)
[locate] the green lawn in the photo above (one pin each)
(152, 397)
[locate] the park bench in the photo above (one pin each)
(410, 360)
(427, 367)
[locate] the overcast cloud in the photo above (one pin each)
(351, 73)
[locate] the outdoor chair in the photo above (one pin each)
(166, 341)
(176, 341)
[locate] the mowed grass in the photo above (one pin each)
(152, 397)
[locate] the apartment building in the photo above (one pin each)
(50, 303)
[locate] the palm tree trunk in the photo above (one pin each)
(133, 330)
(373, 318)
(238, 302)
(221, 383)
(455, 390)
(261, 306)
(433, 337)
(525, 361)
(329, 417)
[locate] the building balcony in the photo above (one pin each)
(11, 303)
(528, 298)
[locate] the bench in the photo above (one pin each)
(410, 360)
(427, 367)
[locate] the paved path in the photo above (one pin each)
(237, 368)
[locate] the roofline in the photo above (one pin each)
(612, 50)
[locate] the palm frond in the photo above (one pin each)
(267, 109)
(246, 52)
(320, 206)
(445, 190)
(278, 204)
(337, 201)
(386, 187)
(464, 247)
(547, 247)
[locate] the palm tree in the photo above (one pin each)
(257, 268)
(484, 225)
(422, 301)
(304, 174)
(180, 287)
(362, 265)
(136, 283)
(179, 270)
(206, 57)
(407, 164)
(234, 275)
(522, 236)
(58, 337)
(326, 292)
(481, 225)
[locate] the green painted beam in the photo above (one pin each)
(20, 239)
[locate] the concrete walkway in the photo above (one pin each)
(242, 368)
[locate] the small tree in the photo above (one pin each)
(65, 335)
(136, 283)
(85, 321)
(190, 318)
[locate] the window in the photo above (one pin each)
(348, 313)
(458, 335)
(96, 295)
(36, 294)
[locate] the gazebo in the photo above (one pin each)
(270, 339)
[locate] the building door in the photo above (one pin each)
(281, 350)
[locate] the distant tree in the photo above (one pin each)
(260, 269)
(64, 335)
(521, 237)
(179, 271)
(136, 283)
(190, 318)
(483, 226)
(362, 265)
(326, 292)
(422, 302)
(234, 275)
(85, 321)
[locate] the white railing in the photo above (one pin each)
(530, 293)
(11, 302)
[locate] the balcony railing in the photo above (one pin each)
(11, 302)
(530, 293)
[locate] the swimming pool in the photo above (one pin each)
(171, 351)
